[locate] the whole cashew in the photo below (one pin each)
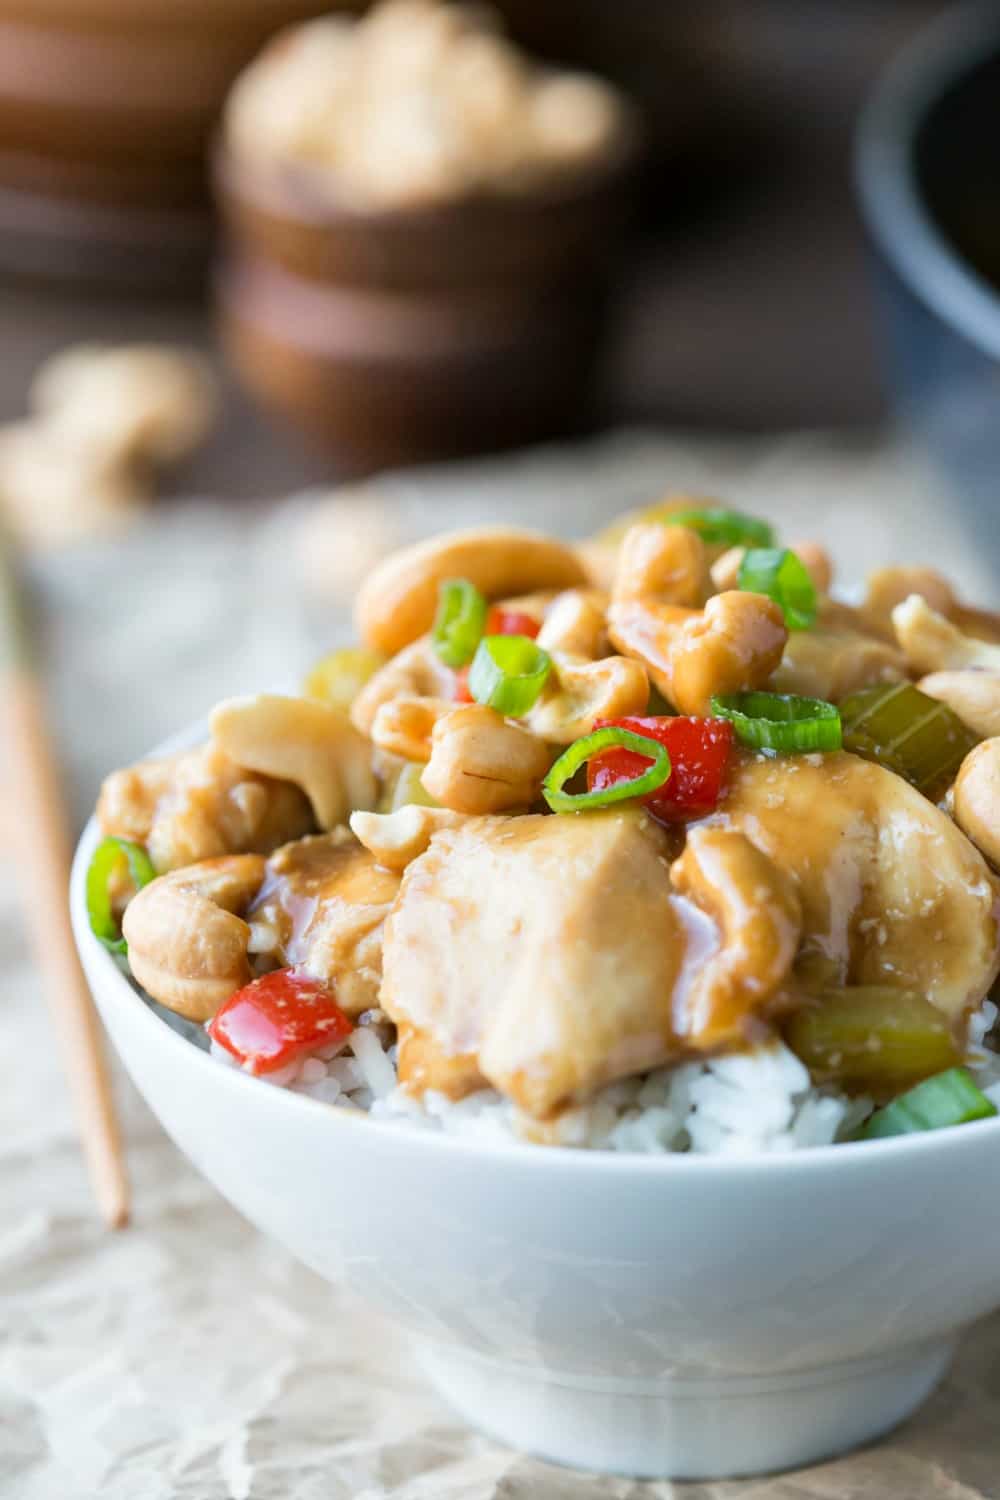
(404, 726)
(735, 642)
(198, 805)
(585, 684)
(399, 837)
(932, 643)
(972, 694)
(976, 799)
(399, 599)
(481, 763)
(887, 587)
(302, 741)
(414, 672)
(668, 564)
(187, 943)
(757, 910)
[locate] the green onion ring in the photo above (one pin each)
(105, 862)
(610, 738)
(949, 1098)
(459, 622)
(508, 673)
(783, 577)
(780, 721)
(723, 526)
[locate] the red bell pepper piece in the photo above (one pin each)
(502, 621)
(277, 1019)
(699, 753)
(499, 621)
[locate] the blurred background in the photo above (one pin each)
(741, 300)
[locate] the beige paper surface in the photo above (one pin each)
(190, 1359)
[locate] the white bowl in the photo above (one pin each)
(678, 1316)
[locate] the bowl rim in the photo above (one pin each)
(940, 56)
(118, 992)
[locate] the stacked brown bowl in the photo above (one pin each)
(105, 110)
(416, 333)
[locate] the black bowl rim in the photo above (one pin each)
(937, 59)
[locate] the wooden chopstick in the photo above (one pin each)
(39, 832)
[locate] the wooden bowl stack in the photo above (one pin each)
(105, 110)
(404, 334)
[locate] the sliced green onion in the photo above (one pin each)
(107, 861)
(783, 577)
(781, 721)
(610, 738)
(459, 622)
(508, 673)
(900, 727)
(949, 1098)
(728, 526)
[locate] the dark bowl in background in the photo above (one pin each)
(399, 335)
(928, 170)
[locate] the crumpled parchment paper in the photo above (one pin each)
(189, 1358)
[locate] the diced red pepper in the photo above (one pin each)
(499, 621)
(277, 1019)
(699, 753)
(502, 621)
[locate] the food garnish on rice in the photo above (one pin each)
(648, 845)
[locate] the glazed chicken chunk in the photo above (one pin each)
(322, 907)
(550, 955)
(892, 892)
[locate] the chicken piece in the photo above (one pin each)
(199, 805)
(549, 955)
(892, 892)
(834, 659)
(322, 907)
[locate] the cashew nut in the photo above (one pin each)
(757, 909)
(976, 799)
(932, 643)
(397, 838)
(735, 642)
(887, 587)
(815, 559)
(187, 943)
(404, 726)
(147, 402)
(302, 741)
(668, 564)
(481, 763)
(415, 672)
(973, 695)
(585, 684)
(198, 805)
(399, 599)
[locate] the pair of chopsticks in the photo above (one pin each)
(39, 831)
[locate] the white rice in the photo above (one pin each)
(747, 1104)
